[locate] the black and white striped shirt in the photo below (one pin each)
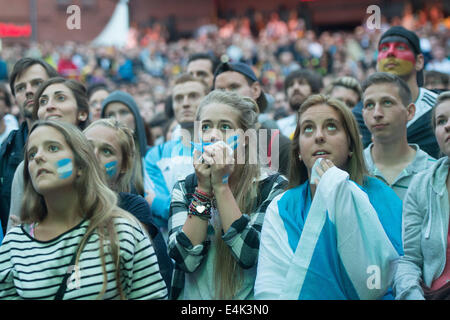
(33, 269)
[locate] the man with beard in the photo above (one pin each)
(399, 53)
(26, 77)
(298, 86)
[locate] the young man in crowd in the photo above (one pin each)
(399, 53)
(346, 89)
(202, 66)
(172, 160)
(26, 77)
(387, 108)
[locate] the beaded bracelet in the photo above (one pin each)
(200, 209)
(202, 195)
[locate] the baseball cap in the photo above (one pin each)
(245, 70)
(413, 41)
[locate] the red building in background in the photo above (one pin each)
(48, 18)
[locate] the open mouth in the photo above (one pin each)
(320, 153)
(53, 117)
(41, 172)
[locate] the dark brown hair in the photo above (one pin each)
(78, 90)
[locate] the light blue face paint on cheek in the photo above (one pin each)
(200, 146)
(111, 168)
(233, 141)
(64, 168)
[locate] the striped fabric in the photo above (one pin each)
(242, 237)
(424, 103)
(32, 269)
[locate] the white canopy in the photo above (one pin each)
(116, 31)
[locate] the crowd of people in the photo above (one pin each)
(274, 163)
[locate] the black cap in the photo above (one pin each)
(245, 70)
(413, 41)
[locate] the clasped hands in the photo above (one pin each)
(214, 166)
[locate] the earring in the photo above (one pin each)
(350, 154)
(300, 157)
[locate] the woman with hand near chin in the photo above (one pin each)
(216, 214)
(335, 232)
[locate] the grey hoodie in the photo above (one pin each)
(139, 132)
(127, 99)
(425, 230)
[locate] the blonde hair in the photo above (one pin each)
(356, 167)
(229, 275)
(127, 147)
(97, 201)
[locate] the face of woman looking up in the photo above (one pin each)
(50, 161)
(107, 149)
(322, 135)
(442, 129)
(219, 122)
(58, 103)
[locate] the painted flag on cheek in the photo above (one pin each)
(111, 168)
(64, 168)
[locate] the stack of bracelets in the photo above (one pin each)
(200, 205)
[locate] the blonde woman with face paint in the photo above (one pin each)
(71, 226)
(114, 148)
(216, 214)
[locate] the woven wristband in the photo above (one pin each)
(204, 215)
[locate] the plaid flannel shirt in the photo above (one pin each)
(242, 237)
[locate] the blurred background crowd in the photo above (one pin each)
(273, 43)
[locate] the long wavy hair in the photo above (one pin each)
(229, 275)
(125, 140)
(356, 167)
(97, 200)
